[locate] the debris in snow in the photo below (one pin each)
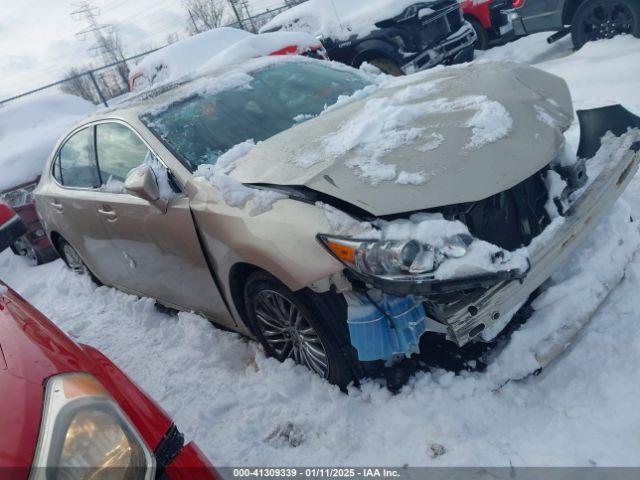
(234, 193)
(437, 450)
(288, 434)
(408, 178)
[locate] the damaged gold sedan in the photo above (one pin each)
(335, 215)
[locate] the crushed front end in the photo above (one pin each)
(400, 290)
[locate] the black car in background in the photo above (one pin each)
(416, 36)
(585, 20)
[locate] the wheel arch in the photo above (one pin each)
(569, 10)
(375, 48)
(238, 275)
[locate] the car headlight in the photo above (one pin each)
(392, 258)
(85, 434)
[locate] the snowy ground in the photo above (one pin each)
(245, 409)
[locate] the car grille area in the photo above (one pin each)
(510, 219)
(444, 20)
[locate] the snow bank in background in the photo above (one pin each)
(234, 193)
(213, 50)
(262, 45)
(337, 19)
(30, 128)
(183, 57)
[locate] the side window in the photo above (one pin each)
(76, 165)
(119, 151)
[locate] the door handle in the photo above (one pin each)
(56, 205)
(110, 214)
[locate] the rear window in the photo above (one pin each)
(204, 126)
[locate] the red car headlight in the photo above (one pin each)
(85, 434)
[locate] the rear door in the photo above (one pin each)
(159, 252)
(72, 201)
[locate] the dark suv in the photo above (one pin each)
(585, 20)
(414, 37)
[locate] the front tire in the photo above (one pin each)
(387, 66)
(300, 325)
(602, 19)
(482, 40)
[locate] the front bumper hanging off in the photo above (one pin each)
(472, 314)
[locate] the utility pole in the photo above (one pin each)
(238, 6)
(106, 42)
(237, 13)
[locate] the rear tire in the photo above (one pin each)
(72, 259)
(482, 40)
(307, 327)
(601, 19)
(386, 65)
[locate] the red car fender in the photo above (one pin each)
(191, 463)
(479, 10)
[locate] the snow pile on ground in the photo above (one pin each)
(245, 409)
(30, 128)
(212, 50)
(338, 20)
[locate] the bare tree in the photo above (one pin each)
(79, 85)
(203, 15)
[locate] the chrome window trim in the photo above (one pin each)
(94, 124)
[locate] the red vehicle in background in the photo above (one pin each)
(490, 21)
(69, 412)
(34, 243)
(11, 226)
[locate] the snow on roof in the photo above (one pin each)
(30, 128)
(338, 19)
(210, 50)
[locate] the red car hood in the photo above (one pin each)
(33, 349)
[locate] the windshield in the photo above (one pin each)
(204, 126)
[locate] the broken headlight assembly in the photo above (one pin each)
(85, 434)
(403, 267)
(393, 258)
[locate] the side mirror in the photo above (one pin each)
(142, 183)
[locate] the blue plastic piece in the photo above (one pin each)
(377, 336)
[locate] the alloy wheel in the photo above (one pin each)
(288, 332)
(606, 19)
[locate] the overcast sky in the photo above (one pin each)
(38, 42)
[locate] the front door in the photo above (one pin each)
(159, 253)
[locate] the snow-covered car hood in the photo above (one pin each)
(438, 138)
